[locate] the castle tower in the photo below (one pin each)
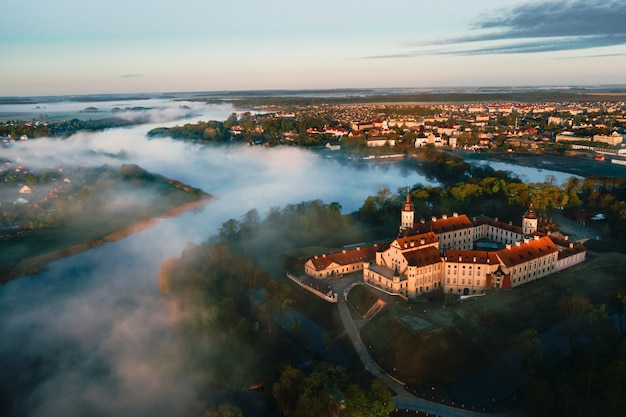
(408, 214)
(530, 221)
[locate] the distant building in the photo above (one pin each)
(333, 146)
(380, 141)
(339, 263)
(614, 139)
(361, 125)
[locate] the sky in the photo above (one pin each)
(120, 46)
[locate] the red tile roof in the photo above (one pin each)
(526, 251)
(416, 240)
(345, 257)
(568, 247)
(450, 224)
(495, 223)
(471, 256)
(423, 257)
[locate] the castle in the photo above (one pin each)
(445, 253)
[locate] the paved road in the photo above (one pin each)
(403, 400)
(575, 230)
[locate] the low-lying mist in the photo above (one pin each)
(90, 336)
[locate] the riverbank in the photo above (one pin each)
(34, 264)
(580, 165)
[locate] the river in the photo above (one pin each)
(89, 335)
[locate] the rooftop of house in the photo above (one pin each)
(414, 241)
(499, 224)
(471, 256)
(423, 256)
(386, 272)
(345, 257)
(443, 225)
(524, 252)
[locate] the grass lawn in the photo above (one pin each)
(361, 298)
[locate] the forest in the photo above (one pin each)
(227, 306)
(227, 297)
(64, 128)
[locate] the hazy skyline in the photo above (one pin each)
(71, 47)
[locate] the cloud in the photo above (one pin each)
(130, 76)
(535, 27)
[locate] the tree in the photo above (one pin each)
(375, 402)
(224, 410)
(229, 232)
(287, 389)
(574, 309)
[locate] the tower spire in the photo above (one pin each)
(407, 218)
(530, 222)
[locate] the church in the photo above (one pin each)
(455, 255)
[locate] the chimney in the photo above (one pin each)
(473, 219)
(323, 255)
(571, 245)
(496, 219)
(508, 246)
(412, 243)
(536, 237)
(422, 221)
(343, 251)
(444, 216)
(460, 258)
(526, 240)
(434, 219)
(510, 223)
(474, 259)
(566, 237)
(422, 241)
(518, 243)
(455, 214)
(316, 257)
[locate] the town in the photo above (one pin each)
(572, 127)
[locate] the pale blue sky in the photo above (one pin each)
(77, 47)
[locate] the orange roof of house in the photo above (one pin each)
(568, 247)
(499, 224)
(526, 251)
(416, 240)
(471, 256)
(345, 257)
(442, 225)
(422, 257)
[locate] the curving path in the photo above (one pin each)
(403, 399)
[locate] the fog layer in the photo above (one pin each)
(89, 336)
